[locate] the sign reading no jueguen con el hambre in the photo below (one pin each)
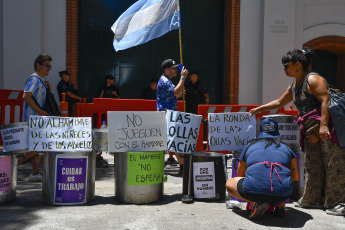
(131, 131)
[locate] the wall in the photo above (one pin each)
(270, 28)
(250, 64)
(30, 28)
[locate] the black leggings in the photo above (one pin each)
(272, 200)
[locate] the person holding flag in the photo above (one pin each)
(167, 94)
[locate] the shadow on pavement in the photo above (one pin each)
(294, 218)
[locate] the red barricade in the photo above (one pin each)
(98, 109)
(11, 99)
(204, 110)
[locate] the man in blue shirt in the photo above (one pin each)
(167, 95)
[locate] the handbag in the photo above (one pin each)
(50, 104)
(337, 113)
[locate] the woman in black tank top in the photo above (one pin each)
(324, 160)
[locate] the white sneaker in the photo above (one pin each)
(36, 178)
(338, 210)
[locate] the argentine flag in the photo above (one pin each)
(144, 21)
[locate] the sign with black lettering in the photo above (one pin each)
(289, 133)
(204, 180)
(136, 131)
(60, 134)
(183, 131)
(145, 168)
(5, 173)
(15, 138)
(230, 131)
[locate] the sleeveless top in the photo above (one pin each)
(304, 101)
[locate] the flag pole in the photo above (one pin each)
(181, 57)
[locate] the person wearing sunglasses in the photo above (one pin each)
(324, 159)
(35, 91)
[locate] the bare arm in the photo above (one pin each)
(318, 87)
(72, 95)
(101, 94)
(179, 88)
(28, 99)
(207, 98)
(282, 101)
(242, 167)
(294, 170)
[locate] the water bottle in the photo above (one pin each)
(104, 126)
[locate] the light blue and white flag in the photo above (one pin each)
(144, 21)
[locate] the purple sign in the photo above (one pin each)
(71, 180)
(235, 162)
(5, 173)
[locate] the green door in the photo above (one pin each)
(202, 42)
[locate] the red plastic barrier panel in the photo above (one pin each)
(97, 110)
(9, 101)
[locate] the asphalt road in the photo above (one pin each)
(29, 212)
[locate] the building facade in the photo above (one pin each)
(250, 38)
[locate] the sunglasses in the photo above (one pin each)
(48, 66)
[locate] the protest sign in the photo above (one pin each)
(230, 131)
(183, 130)
(204, 180)
(71, 177)
(60, 134)
(16, 137)
(289, 133)
(136, 131)
(145, 168)
(5, 173)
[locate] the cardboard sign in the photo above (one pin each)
(60, 134)
(289, 133)
(71, 177)
(136, 131)
(145, 168)
(230, 131)
(15, 138)
(5, 173)
(204, 180)
(183, 130)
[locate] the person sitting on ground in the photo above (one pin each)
(265, 171)
(64, 86)
(109, 90)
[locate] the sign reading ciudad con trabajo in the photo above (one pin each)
(230, 131)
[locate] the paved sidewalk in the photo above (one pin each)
(29, 212)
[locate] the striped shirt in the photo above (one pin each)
(38, 90)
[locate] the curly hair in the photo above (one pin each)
(303, 56)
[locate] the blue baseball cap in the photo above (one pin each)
(269, 129)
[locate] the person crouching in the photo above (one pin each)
(267, 167)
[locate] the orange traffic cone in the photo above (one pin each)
(64, 106)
